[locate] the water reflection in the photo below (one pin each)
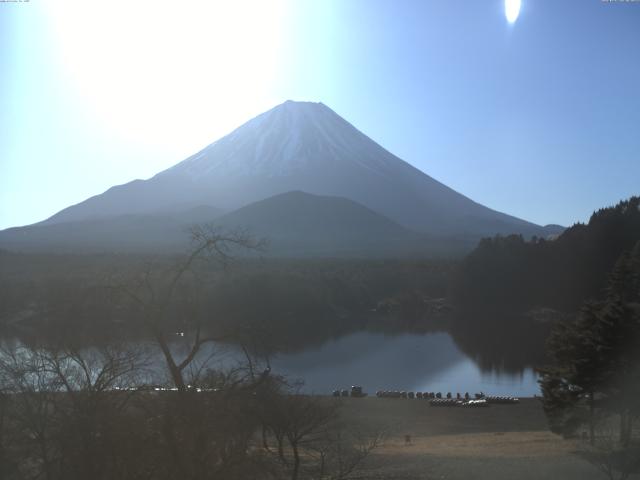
(428, 362)
(377, 361)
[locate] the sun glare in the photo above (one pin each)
(150, 68)
(512, 10)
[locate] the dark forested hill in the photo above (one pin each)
(513, 275)
(509, 292)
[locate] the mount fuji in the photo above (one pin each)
(294, 147)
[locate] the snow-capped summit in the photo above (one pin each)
(284, 141)
(302, 146)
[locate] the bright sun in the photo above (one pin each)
(512, 10)
(149, 67)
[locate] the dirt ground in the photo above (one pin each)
(498, 442)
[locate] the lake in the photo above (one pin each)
(376, 361)
(411, 362)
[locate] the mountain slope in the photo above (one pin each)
(295, 224)
(303, 146)
(119, 233)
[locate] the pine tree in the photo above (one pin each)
(595, 361)
(621, 316)
(570, 385)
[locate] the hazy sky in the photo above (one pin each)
(539, 118)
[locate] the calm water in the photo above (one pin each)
(411, 362)
(429, 362)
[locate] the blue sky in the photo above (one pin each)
(539, 118)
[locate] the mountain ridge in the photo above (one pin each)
(302, 146)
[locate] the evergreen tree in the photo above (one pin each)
(595, 361)
(621, 316)
(570, 385)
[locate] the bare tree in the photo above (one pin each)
(63, 407)
(29, 410)
(343, 450)
(296, 422)
(156, 293)
(205, 430)
(95, 386)
(311, 439)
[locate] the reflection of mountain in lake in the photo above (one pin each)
(402, 362)
(411, 362)
(407, 361)
(506, 342)
(375, 360)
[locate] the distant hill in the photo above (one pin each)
(301, 224)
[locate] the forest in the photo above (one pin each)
(300, 302)
(509, 292)
(513, 275)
